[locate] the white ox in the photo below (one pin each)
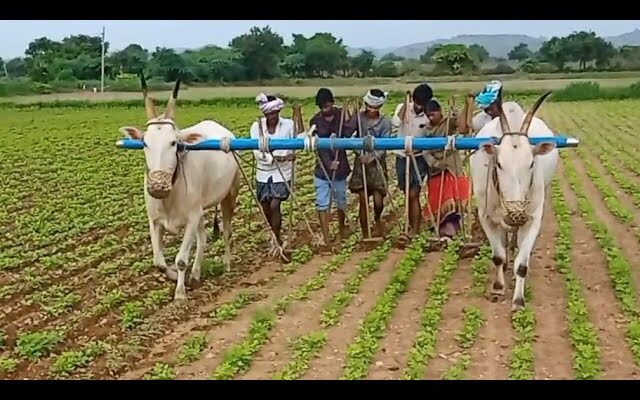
(515, 200)
(181, 184)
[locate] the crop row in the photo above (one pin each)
(582, 334)
(618, 266)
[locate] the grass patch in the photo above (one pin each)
(160, 372)
(458, 368)
(190, 351)
(524, 323)
(229, 311)
(131, 315)
(237, 359)
(8, 365)
(303, 350)
(479, 269)
(34, 345)
(69, 361)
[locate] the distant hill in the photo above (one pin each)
(497, 45)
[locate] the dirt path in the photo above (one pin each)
(590, 265)
(405, 322)
(552, 350)
(460, 296)
(331, 360)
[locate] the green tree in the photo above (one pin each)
(261, 49)
(166, 64)
(17, 67)
(454, 57)
(391, 57)
(294, 65)
(555, 52)
(324, 54)
(385, 69)
(478, 53)
(520, 52)
(427, 57)
(363, 63)
(130, 60)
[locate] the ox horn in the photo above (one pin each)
(149, 107)
(529, 117)
(170, 112)
(504, 124)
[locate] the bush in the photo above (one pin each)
(66, 75)
(500, 69)
(386, 69)
(579, 91)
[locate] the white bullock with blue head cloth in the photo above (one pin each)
(509, 183)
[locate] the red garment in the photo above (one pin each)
(450, 195)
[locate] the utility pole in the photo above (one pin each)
(102, 74)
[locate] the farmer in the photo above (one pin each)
(333, 183)
(413, 123)
(447, 187)
(271, 188)
(371, 122)
(486, 100)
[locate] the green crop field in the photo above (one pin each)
(80, 298)
(354, 88)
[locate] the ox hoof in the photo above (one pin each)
(193, 281)
(180, 295)
(497, 292)
(518, 304)
(172, 273)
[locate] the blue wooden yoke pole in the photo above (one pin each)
(437, 143)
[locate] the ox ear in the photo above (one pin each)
(131, 132)
(190, 138)
(489, 148)
(543, 148)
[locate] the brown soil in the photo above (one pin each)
(625, 236)
(590, 265)
(460, 296)
(552, 349)
(405, 322)
(331, 360)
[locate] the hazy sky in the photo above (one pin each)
(362, 33)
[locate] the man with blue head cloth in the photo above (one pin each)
(486, 100)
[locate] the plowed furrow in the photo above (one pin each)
(460, 297)
(331, 360)
(405, 322)
(590, 265)
(552, 350)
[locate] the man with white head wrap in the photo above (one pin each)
(375, 124)
(486, 100)
(271, 188)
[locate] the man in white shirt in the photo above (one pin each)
(271, 188)
(414, 123)
(486, 101)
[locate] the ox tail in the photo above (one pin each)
(216, 225)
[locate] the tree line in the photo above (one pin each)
(262, 55)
